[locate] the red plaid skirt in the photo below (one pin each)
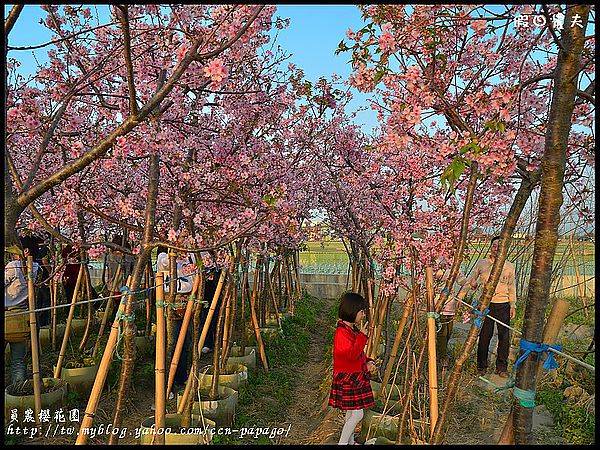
(351, 390)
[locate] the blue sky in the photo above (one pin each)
(311, 38)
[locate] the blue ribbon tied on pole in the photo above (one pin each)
(528, 347)
(478, 321)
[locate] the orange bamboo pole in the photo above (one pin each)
(433, 388)
(63, 348)
(394, 352)
(182, 333)
(35, 357)
(261, 347)
(107, 311)
(92, 405)
(160, 362)
(53, 313)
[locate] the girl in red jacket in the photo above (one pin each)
(351, 388)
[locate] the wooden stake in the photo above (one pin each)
(182, 333)
(432, 363)
(107, 311)
(212, 308)
(160, 361)
(63, 348)
(53, 312)
(261, 348)
(390, 364)
(92, 405)
(35, 357)
(88, 325)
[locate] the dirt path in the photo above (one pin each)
(313, 422)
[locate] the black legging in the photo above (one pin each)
(500, 311)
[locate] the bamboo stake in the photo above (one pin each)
(53, 313)
(147, 298)
(88, 325)
(160, 362)
(63, 348)
(214, 391)
(171, 296)
(288, 284)
(243, 305)
(107, 311)
(35, 357)
(271, 292)
(211, 310)
(182, 333)
(371, 317)
(92, 405)
(261, 348)
(209, 316)
(383, 308)
(579, 284)
(390, 364)
(226, 324)
(186, 393)
(432, 363)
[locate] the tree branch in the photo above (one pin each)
(11, 19)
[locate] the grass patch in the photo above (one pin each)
(265, 399)
(574, 423)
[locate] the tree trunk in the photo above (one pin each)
(523, 194)
(140, 265)
(550, 201)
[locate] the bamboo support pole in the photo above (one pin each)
(579, 284)
(54, 301)
(107, 311)
(171, 296)
(382, 310)
(214, 385)
(271, 292)
(148, 302)
(371, 317)
(88, 325)
(92, 405)
(244, 288)
(182, 333)
(261, 348)
(552, 328)
(432, 363)
(186, 393)
(228, 338)
(209, 317)
(63, 348)
(295, 271)
(288, 284)
(35, 357)
(160, 362)
(211, 310)
(394, 352)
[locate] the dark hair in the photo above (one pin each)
(495, 238)
(350, 304)
(162, 249)
(30, 243)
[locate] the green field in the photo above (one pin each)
(330, 256)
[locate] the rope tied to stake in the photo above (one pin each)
(528, 347)
(478, 321)
(200, 301)
(438, 323)
(526, 398)
(120, 317)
